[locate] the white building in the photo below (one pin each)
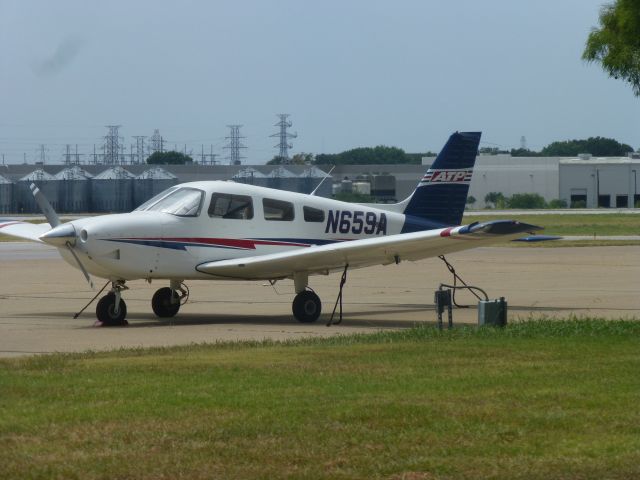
(600, 182)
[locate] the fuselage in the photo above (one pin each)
(170, 236)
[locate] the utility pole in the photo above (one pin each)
(77, 159)
(284, 144)
(234, 145)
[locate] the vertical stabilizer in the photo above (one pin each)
(441, 195)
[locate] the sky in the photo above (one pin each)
(351, 73)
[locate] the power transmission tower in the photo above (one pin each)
(234, 145)
(42, 151)
(284, 144)
(156, 142)
(77, 156)
(67, 155)
(523, 142)
(139, 148)
(111, 147)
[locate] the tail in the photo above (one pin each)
(441, 195)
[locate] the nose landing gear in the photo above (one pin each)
(111, 310)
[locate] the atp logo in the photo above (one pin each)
(457, 176)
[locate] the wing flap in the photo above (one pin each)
(23, 230)
(367, 252)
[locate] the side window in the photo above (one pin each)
(313, 214)
(237, 207)
(277, 210)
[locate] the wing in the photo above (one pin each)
(367, 252)
(23, 230)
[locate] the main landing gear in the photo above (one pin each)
(306, 305)
(167, 301)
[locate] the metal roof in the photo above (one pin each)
(249, 173)
(314, 172)
(156, 173)
(114, 173)
(73, 173)
(281, 172)
(37, 175)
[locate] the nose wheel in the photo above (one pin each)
(111, 309)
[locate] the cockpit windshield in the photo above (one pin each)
(155, 198)
(183, 202)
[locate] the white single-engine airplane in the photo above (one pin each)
(231, 231)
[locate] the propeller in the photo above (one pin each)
(60, 235)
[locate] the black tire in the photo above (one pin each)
(306, 307)
(162, 303)
(105, 311)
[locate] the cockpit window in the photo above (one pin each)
(154, 199)
(237, 207)
(183, 202)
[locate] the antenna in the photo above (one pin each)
(284, 144)
(234, 145)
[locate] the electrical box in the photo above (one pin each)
(492, 312)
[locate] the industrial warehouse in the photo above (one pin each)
(581, 182)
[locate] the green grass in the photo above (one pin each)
(538, 399)
(585, 224)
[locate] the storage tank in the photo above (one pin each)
(6, 195)
(310, 179)
(112, 190)
(74, 191)
(363, 188)
(250, 176)
(282, 179)
(151, 182)
(23, 197)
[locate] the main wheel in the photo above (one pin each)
(306, 306)
(106, 311)
(165, 303)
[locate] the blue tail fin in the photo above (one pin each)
(441, 195)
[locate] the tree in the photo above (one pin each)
(471, 200)
(301, 158)
(524, 152)
(558, 203)
(169, 158)
(616, 43)
(526, 200)
(380, 155)
(597, 146)
(491, 151)
(496, 198)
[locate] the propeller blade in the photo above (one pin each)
(84, 270)
(45, 206)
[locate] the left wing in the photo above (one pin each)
(368, 252)
(23, 230)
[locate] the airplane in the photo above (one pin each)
(222, 230)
